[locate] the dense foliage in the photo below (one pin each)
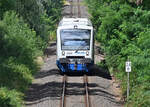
(25, 29)
(10, 98)
(41, 15)
(123, 29)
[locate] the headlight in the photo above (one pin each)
(87, 53)
(63, 53)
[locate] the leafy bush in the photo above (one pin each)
(123, 30)
(10, 98)
(18, 50)
(14, 75)
(25, 27)
(18, 40)
(42, 16)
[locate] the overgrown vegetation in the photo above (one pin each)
(123, 29)
(25, 28)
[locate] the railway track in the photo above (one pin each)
(78, 7)
(79, 11)
(65, 78)
(63, 98)
(47, 87)
(87, 98)
(87, 101)
(71, 8)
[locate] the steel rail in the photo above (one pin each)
(79, 11)
(71, 8)
(63, 99)
(87, 98)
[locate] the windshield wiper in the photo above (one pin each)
(79, 48)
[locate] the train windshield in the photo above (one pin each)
(75, 39)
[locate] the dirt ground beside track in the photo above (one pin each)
(46, 89)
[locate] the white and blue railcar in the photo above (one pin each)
(75, 45)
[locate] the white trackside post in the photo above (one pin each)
(128, 70)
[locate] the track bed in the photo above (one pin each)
(75, 92)
(46, 89)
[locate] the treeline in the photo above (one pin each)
(123, 29)
(25, 29)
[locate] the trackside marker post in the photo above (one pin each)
(128, 70)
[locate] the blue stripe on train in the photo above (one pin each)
(72, 67)
(78, 67)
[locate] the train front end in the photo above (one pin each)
(75, 45)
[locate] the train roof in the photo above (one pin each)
(75, 21)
